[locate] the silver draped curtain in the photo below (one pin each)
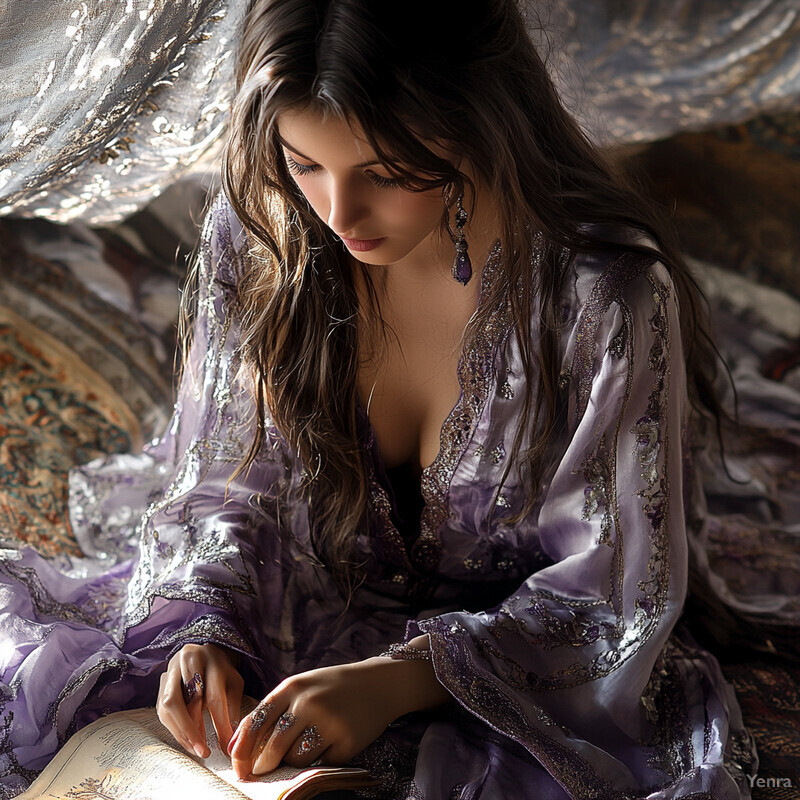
(640, 70)
(103, 104)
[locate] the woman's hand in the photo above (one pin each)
(220, 691)
(332, 713)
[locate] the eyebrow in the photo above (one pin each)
(302, 155)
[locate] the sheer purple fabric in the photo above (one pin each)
(555, 635)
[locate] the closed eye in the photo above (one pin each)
(383, 182)
(299, 169)
(307, 169)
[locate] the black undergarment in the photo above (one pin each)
(408, 502)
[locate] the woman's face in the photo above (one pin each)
(337, 171)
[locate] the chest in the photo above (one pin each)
(408, 394)
(408, 378)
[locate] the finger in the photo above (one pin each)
(235, 738)
(172, 712)
(235, 691)
(328, 759)
(336, 755)
(251, 735)
(306, 748)
(216, 697)
(195, 713)
(277, 747)
(193, 690)
(232, 742)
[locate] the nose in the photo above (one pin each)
(347, 208)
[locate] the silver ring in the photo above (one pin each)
(260, 714)
(309, 741)
(285, 722)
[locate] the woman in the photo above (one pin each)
(423, 492)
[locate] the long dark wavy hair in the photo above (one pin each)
(465, 75)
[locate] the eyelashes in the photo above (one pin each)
(382, 182)
(304, 169)
(298, 169)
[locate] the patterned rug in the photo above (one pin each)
(769, 694)
(77, 380)
(116, 344)
(55, 412)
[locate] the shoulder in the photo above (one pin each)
(616, 302)
(601, 279)
(602, 284)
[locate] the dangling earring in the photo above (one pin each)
(462, 266)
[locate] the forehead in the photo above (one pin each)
(320, 136)
(323, 136)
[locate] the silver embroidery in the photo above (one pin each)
(164, 557)
(598, 473)
(476, 377)
(497, 453)
(608, 287)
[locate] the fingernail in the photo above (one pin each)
(258, 767)
(200, 750)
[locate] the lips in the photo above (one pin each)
(362, 245)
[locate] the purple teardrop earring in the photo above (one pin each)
(462, 266)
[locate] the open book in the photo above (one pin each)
(130, 755)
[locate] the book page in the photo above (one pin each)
(282, 783)
(113, 759)
(130, 755)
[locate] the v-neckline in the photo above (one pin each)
(491, 259)
(420, 472)
(431, 475)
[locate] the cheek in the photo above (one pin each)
(316, 196)
(420, 211)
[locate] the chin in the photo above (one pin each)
(379, 257)
(385, 255)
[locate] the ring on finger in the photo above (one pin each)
(309, 741)
(260, 714)
(285, 722)
(191, 688)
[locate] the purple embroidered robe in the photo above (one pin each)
(553, 634)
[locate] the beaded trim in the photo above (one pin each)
(405, 652)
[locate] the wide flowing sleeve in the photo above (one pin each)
(563, 664)
(200, 535)
(79, 643)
